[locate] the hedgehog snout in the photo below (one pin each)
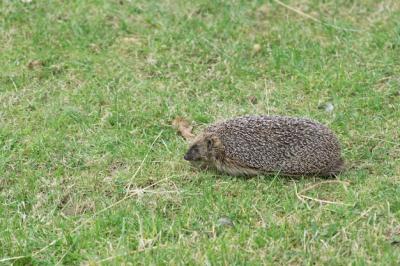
(191, 155)
(187, 156)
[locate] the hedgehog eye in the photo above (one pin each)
(209, 144)
(195, 148)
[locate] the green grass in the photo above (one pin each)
(92, 170)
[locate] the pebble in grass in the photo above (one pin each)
(256, 48)
(328, 107)
(225, 221)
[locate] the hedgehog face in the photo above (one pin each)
(197, 152)
(204, 148)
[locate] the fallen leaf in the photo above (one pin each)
(183, 127)
(35, 64)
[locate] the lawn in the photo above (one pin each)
(92, 171)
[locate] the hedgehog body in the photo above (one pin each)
(253, 145)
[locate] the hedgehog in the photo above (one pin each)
(263, 145)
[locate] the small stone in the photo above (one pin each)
(256, 48)
(35, 64)
(94, 48)
(264, 9)
(56, 69)
(151, 60)
(225, 221)
(328, 107)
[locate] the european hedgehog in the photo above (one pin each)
(253, 145)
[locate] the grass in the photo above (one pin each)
(92, 170)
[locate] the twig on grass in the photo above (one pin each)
(140, 191)
(144, 159)
(301, 13)
(297, 194)
(324, 201)
(11, 258)
(324, 182)
(63, 256)
(303, 197)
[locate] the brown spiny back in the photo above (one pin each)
(293, 146)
